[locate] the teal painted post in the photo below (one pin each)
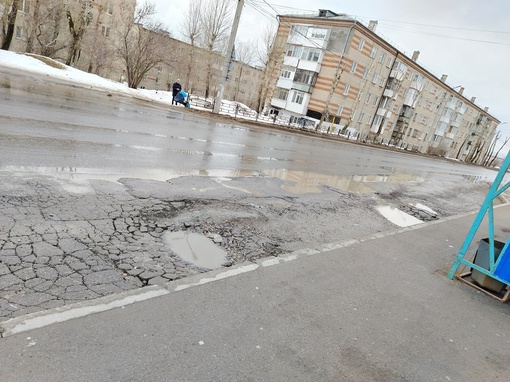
(487, 205)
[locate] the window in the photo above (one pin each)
(340, 110)
(365, 73)
(381, 82)
(361, 116)
(374, 78)
(377, 120)
(361, 44)
(375, 100)
(294, 50)
(346, 89)
(109, 8)
(373, 52)
(285, 73)
(382, 57)
(411, 74)
(24, 6)
(389, 62)
(282, 94)
(105, 31)
(311, 54)
(354, 66)
(21, 33)
(299, 30)
(297, 97)
(318, 33)
(159, 69)
(369, 119)
(304, 77)
(367, 99)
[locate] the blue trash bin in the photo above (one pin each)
(503, 268)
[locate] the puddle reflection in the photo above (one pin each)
(296, 182)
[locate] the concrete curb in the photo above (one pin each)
(61, 314)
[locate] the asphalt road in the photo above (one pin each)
(53, 128)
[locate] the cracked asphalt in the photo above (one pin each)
(63, 242)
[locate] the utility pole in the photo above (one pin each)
(228, 57)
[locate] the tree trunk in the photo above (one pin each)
(11, 20)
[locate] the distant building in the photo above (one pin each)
(340, 75)
(187, 63)
(43, 28)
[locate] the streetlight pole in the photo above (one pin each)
(228, 57)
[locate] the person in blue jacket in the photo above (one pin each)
(182, 98)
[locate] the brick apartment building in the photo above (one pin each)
(338, 74)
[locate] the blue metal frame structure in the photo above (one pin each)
(486, 209)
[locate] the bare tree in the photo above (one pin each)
(79, 17)
(215, 25)
(8, 21)
(270, 53)
(142, 42)
(44, 24)
(245, 51)
(497, 152)
(192, 33)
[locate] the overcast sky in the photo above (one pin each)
(469, 40)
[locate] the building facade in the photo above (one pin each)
(42, 27)
(338, 75)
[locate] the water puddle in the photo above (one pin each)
(398, 217)
(196, 249)
(297, 182)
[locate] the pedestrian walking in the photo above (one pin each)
(176, 88)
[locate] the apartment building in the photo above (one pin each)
(43, 27)
(337, 74)
(188, 64)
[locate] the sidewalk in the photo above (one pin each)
(375, 310)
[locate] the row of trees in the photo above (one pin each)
(91, 36)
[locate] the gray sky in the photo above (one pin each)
(469, 40)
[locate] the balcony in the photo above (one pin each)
(291, 61)
(280, 103)
(388, 93)
(284, 83)
(312, 66)
(398, 75)
(382, 112)
(416, 85)
(302, 87)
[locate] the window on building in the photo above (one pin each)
(105, 30)
(285, 73)
(361, 116)
(299, 30)
(367, 99)
(377, 120)
(375, 100)
(346, 89)
(340, 110)
(109, 8)
(20, 33)
(373, 52)
(319, 33)
(24, 6)
(382, 81)
(304, 77)
(294, 50)
(369, 119)
(354, 66)
(382, 57)
(282, 94)
(374, 78)
(365, 73)
(311, 54)
(361, 44)
(389, 62)
(411, 74)
(297, 97)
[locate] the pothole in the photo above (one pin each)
(196, 249)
